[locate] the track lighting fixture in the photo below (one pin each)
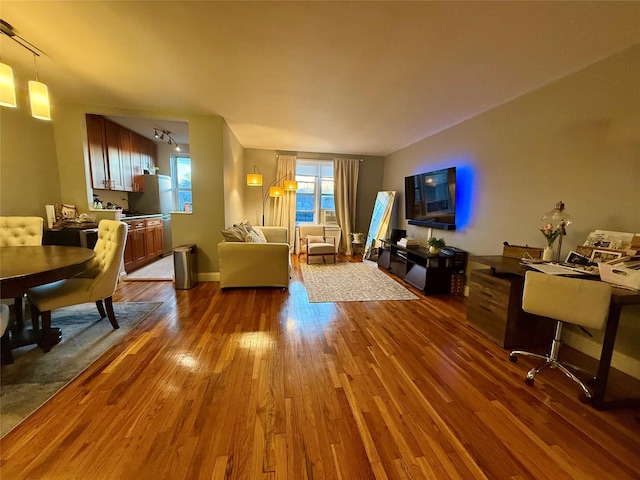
(38, 92)
(170, 140)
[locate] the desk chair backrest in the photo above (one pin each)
(20, 231)
(571, 300)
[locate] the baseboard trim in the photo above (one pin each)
(209, 277)
(624, 363)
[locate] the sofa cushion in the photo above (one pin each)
(233, 234)
(253, 236)
(315, 239)
(244, 226)
(258, 231)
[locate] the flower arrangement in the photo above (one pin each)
(550, 233)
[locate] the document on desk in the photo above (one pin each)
(553, 269)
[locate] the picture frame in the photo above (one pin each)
(604, 256)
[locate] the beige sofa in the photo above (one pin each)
(248, 264)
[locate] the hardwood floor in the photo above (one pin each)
(261, 384)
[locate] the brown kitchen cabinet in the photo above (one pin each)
(154, 240)
(494, 309)
(124, 136)
(117, 156)
(97, 155)
(144, 242)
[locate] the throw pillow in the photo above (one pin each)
(253, 237)
(315, 239)
(244, 226)
(232, 235)
(260, 234)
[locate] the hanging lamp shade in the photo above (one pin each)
(290, 185)
(39, 98)
(276, 191)
(254, 179)
(7, 87)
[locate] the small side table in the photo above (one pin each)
(355, 246)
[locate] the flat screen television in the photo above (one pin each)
(430, 199)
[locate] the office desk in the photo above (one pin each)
(619, 298)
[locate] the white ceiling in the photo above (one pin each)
(344, 77)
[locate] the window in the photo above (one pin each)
(181, 178)
(314, 198)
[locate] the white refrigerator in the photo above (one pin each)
(156, 198)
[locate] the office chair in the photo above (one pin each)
(567, 300)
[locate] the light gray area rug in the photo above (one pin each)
(35, 376)
(351, 282)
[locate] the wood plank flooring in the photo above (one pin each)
(261, 384)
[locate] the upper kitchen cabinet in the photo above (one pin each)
(97, 154)
(114, 160)
(124, 140)
(117, 156)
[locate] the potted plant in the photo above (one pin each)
(435, 245)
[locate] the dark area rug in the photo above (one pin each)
(35, 376)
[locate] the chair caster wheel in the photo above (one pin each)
(513, 358)
(528, 381)
(582, 398)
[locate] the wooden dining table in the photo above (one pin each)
(24, 267)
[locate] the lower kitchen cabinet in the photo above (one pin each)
(144, 242)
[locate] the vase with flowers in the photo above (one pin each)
(550, 233)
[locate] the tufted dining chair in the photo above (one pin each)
(97, 285)
(313, 241)
(566, 300)
(5, 343)
(20, 232)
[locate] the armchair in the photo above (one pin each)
(314, 242)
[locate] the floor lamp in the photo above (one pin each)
(255, 180)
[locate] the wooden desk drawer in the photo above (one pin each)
(490, 284)
(488, 320)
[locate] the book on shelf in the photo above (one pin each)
(407, 242)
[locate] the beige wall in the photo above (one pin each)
(576, 140)
(29, 176)
(234, 177)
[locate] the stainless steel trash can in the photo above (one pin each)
(185, 266)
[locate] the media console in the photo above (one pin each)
(430, 273)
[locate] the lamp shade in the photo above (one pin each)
(276, 191)
(7, 86)
(290, 185)
(254, 179)
(39, 98)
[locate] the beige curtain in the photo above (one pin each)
(345, 187)
(284, 208)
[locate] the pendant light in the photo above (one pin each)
(38, 91)
(7, 87)
(39, 97)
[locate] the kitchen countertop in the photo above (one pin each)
(138, 216)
